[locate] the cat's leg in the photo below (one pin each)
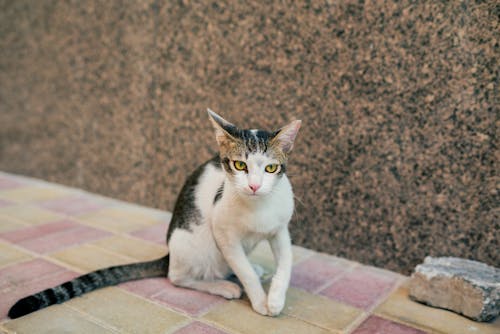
(235, 256)
(223, 288)
(189, 268)
(282, 249)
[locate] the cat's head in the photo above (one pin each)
(254, 160)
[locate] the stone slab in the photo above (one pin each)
(466, 287)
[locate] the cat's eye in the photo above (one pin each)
(239, 165)
(271, 168)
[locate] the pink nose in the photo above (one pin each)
(254, 187)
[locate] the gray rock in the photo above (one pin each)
(466, 287)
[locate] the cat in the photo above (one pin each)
(225, 208)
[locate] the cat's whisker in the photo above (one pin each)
(297, 198)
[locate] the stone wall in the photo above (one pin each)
(398, 154)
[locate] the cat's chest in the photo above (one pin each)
(269, 219)
(266, 218)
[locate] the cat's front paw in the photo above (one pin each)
(260, 308)
(275, 304)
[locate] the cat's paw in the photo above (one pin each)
(260, 307)
(226, 289)
(275, 304)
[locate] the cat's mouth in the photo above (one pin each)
(253, 194)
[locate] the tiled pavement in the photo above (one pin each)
(50, 233)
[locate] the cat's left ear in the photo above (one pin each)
(223, 129)
(285, 136)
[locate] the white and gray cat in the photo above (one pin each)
(225, 208)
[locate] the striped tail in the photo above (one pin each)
(89, 282)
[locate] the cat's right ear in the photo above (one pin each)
(223, 129)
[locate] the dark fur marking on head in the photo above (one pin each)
(255, 141)
(231, 129)
(282, 169)
(226, 163)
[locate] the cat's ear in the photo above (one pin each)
(285, 136)
(223, 129)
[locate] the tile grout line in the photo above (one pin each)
(38, 279)
(225, 328)
(124, 257)
(78, 219)
(397, 284)
(16, 220)
(181, 324)
(23, 221)
(48, 257)
(216, 325)
(99, 321)
(401, 281)
(336, 301)
(113, 203)
(369, 312)
(28, 181)
(4, 330)
(423, 328)
(129, 235)
(335, 279)
(357, 322)
(309, 255)
(202, 312)
(21, 260)
(61, 234)
(93, 319)
(165, 306)
(311, 323)
(82, 221)
(366, 313)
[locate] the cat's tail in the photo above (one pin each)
(89, 282)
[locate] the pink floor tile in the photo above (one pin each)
(155, 233)
(9, 297)
(199, 328)
(24, 273)
(147, 287)
(189, 301)
(314, 272)
(361, 288)
(38, 231)
(73, 236)
(4, 203)
(9, 183)
(377, 325)
(73, 205)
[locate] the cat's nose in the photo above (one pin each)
(254, 187)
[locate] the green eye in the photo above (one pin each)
(239, 165)
(271, 168)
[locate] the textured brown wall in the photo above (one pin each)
(398, 155)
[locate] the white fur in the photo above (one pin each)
(203, 257)
(256, 164)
